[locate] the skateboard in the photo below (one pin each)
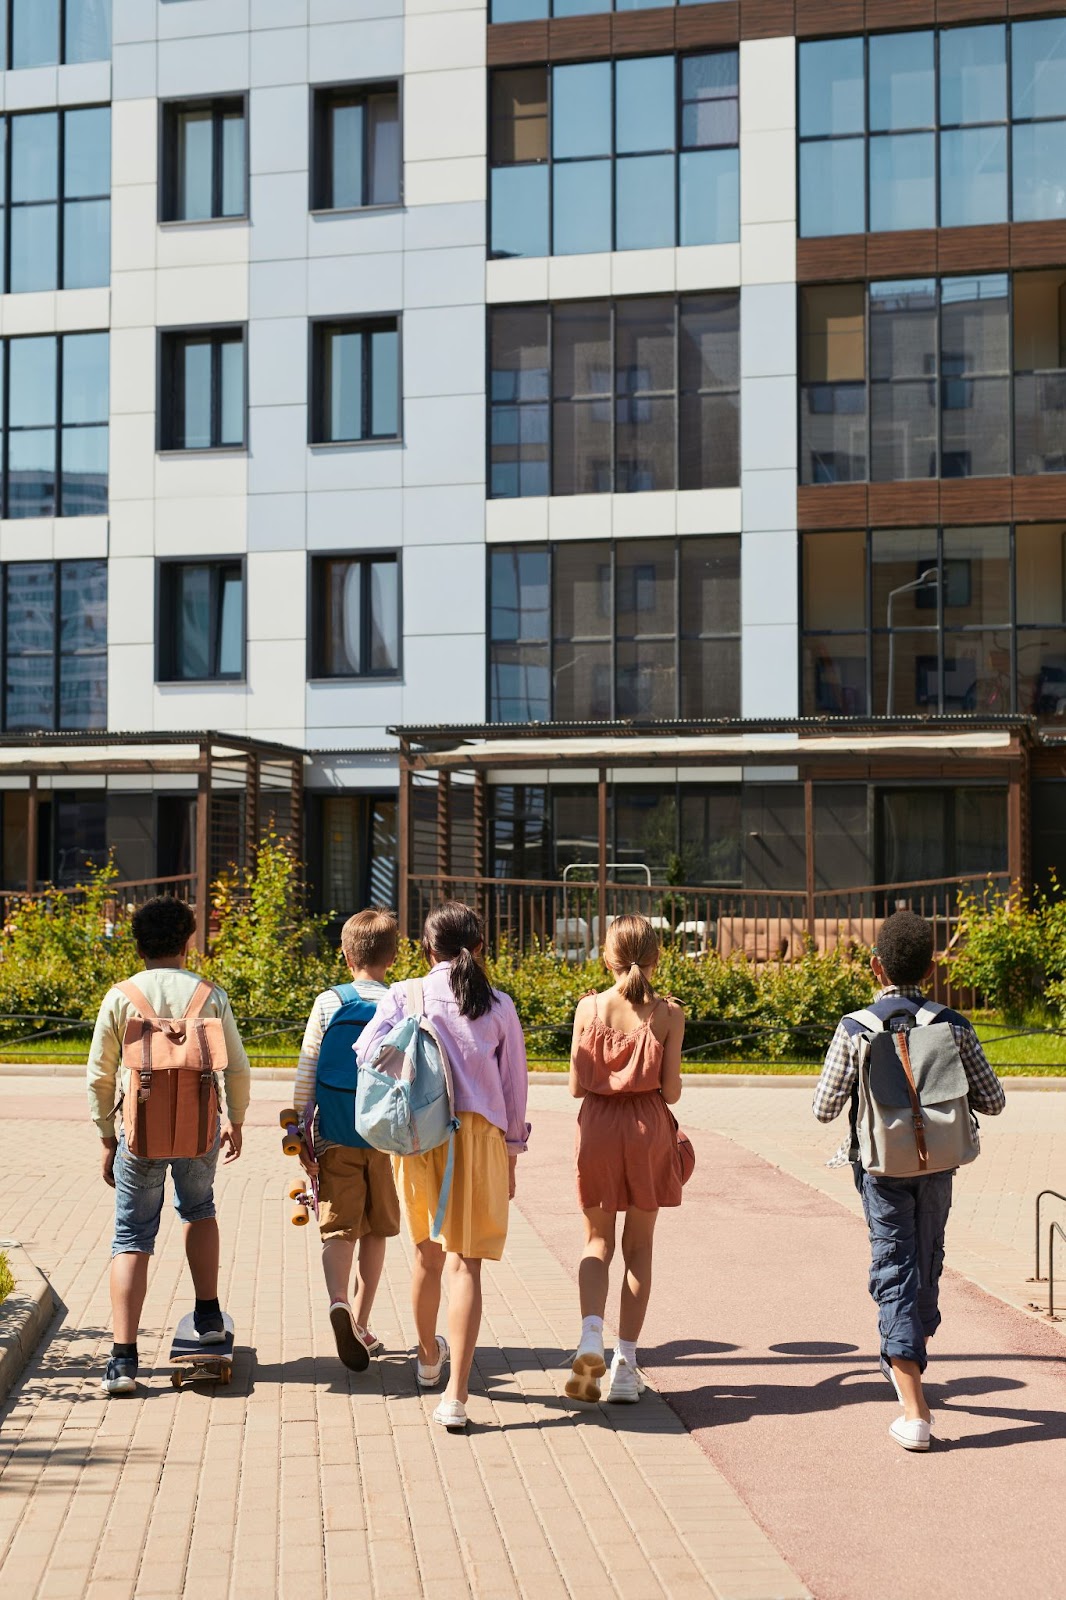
(296, 1136)
(193, 1361)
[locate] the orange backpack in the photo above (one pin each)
(171, 1106)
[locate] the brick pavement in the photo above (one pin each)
(303, 1479)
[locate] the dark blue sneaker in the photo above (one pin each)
(121, 1375)
(210, 1328)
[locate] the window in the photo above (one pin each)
(55, 442)
(355, 616)
(599, 396)
(202, 383)
(200, 621)
(45, 33)
(935, 620)
(355, 381)
(624, 155)
(55, 645)
(1040, 372)
(956, 127)
(526, 10)
(647, 629)
(356, 160)
(58, 179)
(204, 160)
(912, 379)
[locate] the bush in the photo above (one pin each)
(7, 1282)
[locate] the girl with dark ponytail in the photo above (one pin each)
(478, 1026)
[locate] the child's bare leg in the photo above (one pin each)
(909, 1379)
(637, 1236)
(464, 1323)
(371, 1263)
(337, 1257)
(593, 1274)
(129, 1284)
(425, 1298)
(201, 1252)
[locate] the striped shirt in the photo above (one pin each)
(324, 1009)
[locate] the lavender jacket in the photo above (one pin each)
(487, 1054)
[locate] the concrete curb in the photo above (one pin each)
(692, 1080)
(24, 1315)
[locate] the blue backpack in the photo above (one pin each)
(338, 1070)
(404, 1102)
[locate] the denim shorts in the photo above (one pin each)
(139, 1195)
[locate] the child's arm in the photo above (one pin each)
(986, 1091)
(839, 1075)
(514, 1078)
(586, 1010)
(391, 1009)
(101, 1077)
(675, 1036)
(303, 1089)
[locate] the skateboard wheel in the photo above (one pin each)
(287, 1118)
(175, 1380)
(291, 1146)
(299, 1218)
(296, 1192)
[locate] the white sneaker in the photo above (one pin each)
(627, 1383)
(587, 1368)
(451, 1414)
(912, 1435)
(429, 1377)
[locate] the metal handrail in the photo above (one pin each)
(1054, 1229)
(1043, 1195)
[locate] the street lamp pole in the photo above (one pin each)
(929, 576)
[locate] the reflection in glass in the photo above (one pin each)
(902, 182)
(832, 87)
(581, 207)
(834, 675)
(88, 30)
(195, 164)
(902, 88)
(344, 384)
(903, 399)
(832, 188)
(86, 244)
(975, 376)
(644, 198)
(709, 99)
(1042, 673)
(581, 110)
(32, 379)
(644, 115)
(384, 616)
(384, 383)
(85, 377)
(710, 196)
(1039, 157)
(34, 236)
(34, 33)
(1038, 68)
(519, 211)
(973, 177)
(233, 162)
(35, 156)
(973, 75)
(196, 389)
(84, 486)
(519, 632)
(231, 624)
(31, 473)
(87, 153)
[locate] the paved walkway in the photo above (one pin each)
(764, 1477)
(302, 1479)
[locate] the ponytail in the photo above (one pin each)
(453, 932)
(635, 987)
(631, 946)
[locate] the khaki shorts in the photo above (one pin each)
(356, 1194)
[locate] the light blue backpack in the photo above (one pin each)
(404, 1101)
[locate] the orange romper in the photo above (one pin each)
(626, 1141)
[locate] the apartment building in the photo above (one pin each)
(654, 417)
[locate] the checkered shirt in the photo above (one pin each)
(840, 1074)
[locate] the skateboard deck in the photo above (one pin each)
(193, 1361)
(297, 1132)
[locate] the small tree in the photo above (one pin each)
(1002, 948)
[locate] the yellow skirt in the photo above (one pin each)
(475, 1218)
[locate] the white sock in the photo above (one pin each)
(591, 1325)
(627, 1349)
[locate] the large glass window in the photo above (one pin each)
(356, 158)
(201, 621)
(647, 629)
(202, 389)
(204, 160)
(595, 396)
(957, 127)
(526, 10)
(913, 621)
(912, 378)
(55, 441)
(355, 381)
(44, 33)
(355, 616)
(627, 155)
(58, 182)
(55, 645)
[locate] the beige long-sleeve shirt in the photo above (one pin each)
(168, 991)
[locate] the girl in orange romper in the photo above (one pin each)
(625, 1067)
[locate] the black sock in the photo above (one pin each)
(127, 1350)
(204, 1306)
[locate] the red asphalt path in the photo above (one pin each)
(762, 1337)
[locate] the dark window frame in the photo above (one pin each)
(612, 157)
(679, 301)
(7, 36)
(58, 654)
(320, 173)
(8, 206)
(169, 389)
(170, 112)
(364, 559)
(318, 330)
(613, 5)
(610, 549)
(58, 426)
(166, 634)
(937, 128)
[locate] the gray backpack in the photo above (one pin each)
(913, 1115)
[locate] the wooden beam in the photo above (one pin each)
(33, 815)
(403, 844)
(601, 861)
(808, 833)
(444, 828)
(203, 851)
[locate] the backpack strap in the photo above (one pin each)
(201, 995)
(867, 1019)
(917, 1120)
(346, 993)
(415, 997)
(929, 1013)
(137, 1001)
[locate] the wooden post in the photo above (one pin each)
(33, 817)
(479, 845)
(203, 850)
(1018, 863)
(444, 831)
(601, 876)
(808, 829)
(296, 828)
(251, 809)
(403, 844)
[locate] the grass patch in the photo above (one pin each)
(7, 1281)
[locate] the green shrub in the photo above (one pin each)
(1012, 949)
(7, 1282)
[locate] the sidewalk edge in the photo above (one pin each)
(24, 1315)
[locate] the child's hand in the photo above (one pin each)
(512, 1164)
(308, 1162)
(231, 1140)
(108, 1164)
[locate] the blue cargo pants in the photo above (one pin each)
(907, 1219)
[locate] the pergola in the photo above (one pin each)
(901, 749)
(227, 767)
